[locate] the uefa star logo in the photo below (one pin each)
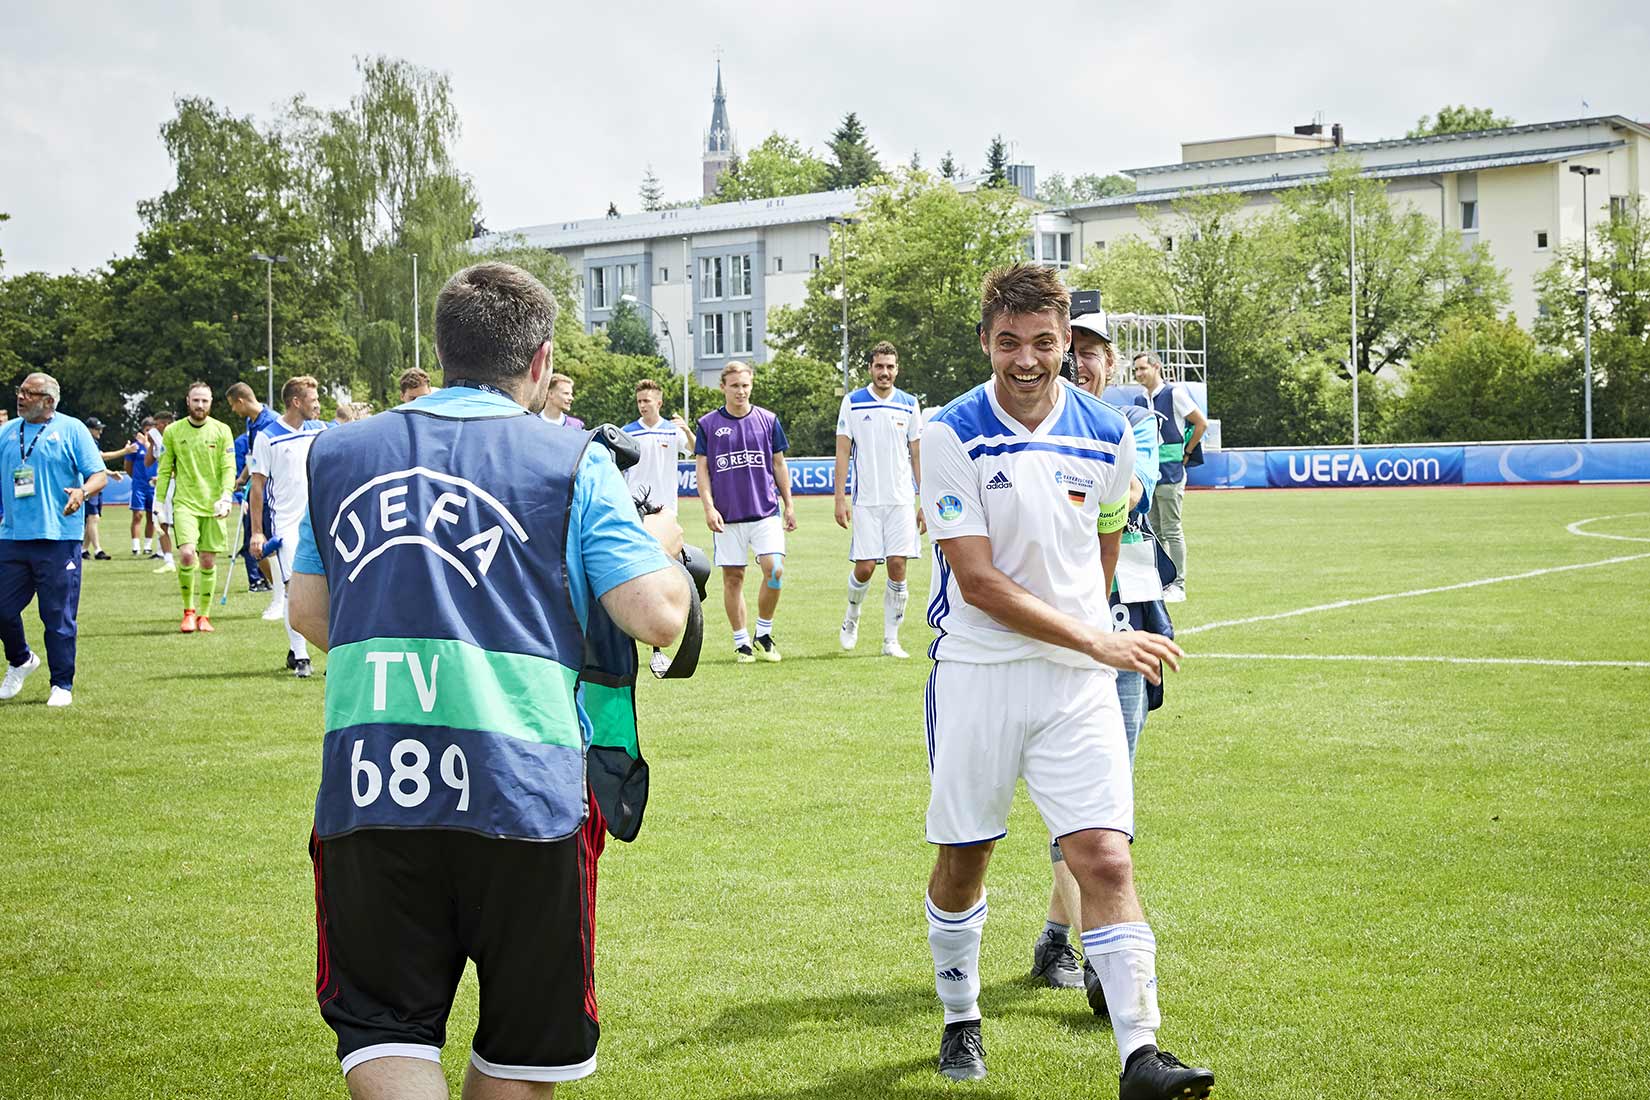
(456, 520)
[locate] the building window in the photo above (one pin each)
(627, 279)
(1057, 249)
(778, 264)
(710, 279)
(1168, 244)
(1469, 216)
(743, 333)
(813, 260)
(663, 273)
(1618, 207)
(598, 288)
(1030, 245)
(1541, 240)
(710, 334)
(739, 276)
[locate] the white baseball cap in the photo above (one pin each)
(1095, 323)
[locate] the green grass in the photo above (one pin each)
(1367, 879)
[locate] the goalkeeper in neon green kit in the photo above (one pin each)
(199, 458)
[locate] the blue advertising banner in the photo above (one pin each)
(1367, 466)
(1452, 464)
(809, 477)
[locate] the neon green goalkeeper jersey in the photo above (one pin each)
(200, 461)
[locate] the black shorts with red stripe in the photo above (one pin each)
(397, 913)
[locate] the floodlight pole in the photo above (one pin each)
(1584, 171)
(844, 223)
(269, 314)
(415, 311)
(670, 345)
(1352, 278)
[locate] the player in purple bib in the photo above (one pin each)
(740, 453)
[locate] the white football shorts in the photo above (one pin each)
(163, 508)
(1057, 727)
(287, 552)
(736, 543)
(882, 531)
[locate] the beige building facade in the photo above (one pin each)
(1510, 189)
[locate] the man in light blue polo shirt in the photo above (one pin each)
(50, 466)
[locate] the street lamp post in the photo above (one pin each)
(844, 223)
(670, 345)
(1584, 171)
(415, 311)
(269, 314)
(1352, 278)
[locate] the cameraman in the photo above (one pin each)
(450, 557)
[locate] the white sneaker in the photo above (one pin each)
(892, 648)
(60, 697)
(1174, 593)
(850, 633)
(275, 612)
(16, 674)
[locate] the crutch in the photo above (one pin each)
(234, 552)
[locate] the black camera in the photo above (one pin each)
(1083, 303)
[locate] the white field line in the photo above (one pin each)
(1417, 660)
(1574, 529)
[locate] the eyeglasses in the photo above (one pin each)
(32, 393)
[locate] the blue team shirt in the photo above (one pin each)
(62, 454)
(606, 546)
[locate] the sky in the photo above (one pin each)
(564, 106)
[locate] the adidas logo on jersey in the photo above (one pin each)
(999, 481)
(953, 975)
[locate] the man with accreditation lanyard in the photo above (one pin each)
(51, 466)
(1018, 474)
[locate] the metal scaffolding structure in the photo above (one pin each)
(1179, 340)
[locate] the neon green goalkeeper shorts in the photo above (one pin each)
(205, 533)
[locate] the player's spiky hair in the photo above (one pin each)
(1023, 288)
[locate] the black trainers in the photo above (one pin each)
(85, 555)
(1154, 1074)
(1096, 991)
(1055, 961)
(743, 655)
(101, 556)
(962, 1051)
(766, 648)
(291, 661)
(300, 668)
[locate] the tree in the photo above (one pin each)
(948, 167)
(651, 191)
(44, 319)
(915, 163)
(1619, 262)
(779, 166)
(1088, 187)
(853, 160)
(1458, 120)
(628, 332)
(1231, 268)
(4, 217)
(916, 261)
(805, 394)
(996, 163)
(1484, 378)
(1411, 275)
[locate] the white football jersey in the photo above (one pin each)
(656, 472)
(1038, 495)
(282, 456)
(882, 430)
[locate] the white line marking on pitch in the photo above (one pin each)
(1338, 604)
(1422, 660)
(1576, 528)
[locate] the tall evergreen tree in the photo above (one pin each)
(651, 191)
(853, 161)
(996, 163)
(948, 167)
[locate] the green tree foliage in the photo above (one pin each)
(629, 333)
(916, 261)
(1231, 268)
(1458, 120)
(381, 358)
(1055, 190)
(1619, 291)
(1484, 378)
(779, 166)
(996, 163)
(46, 324)
(853, 160)
(805, 394)
(651, 192)
(948, 167)
(4, 217)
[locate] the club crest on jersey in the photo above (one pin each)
(450, 517)
(1077, 488)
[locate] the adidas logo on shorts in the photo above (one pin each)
(953, 975)
(1000, 481)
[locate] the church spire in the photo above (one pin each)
(719, 151)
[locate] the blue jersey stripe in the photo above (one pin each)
(984, 449)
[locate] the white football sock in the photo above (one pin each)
(893, 609)
(856, 596)
(764, 627)
(167, 557)
(954, 939)
(294, 640)
(134, 546)
(741, 638)
(1125, 957)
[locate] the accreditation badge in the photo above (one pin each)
(22, 482)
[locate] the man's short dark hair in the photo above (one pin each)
(240, 391)
(412, 378)
(166, 414)
(883, 348)
(648, 384)
(490, 320)
(1020, 289)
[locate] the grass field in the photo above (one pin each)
(1368, 878)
